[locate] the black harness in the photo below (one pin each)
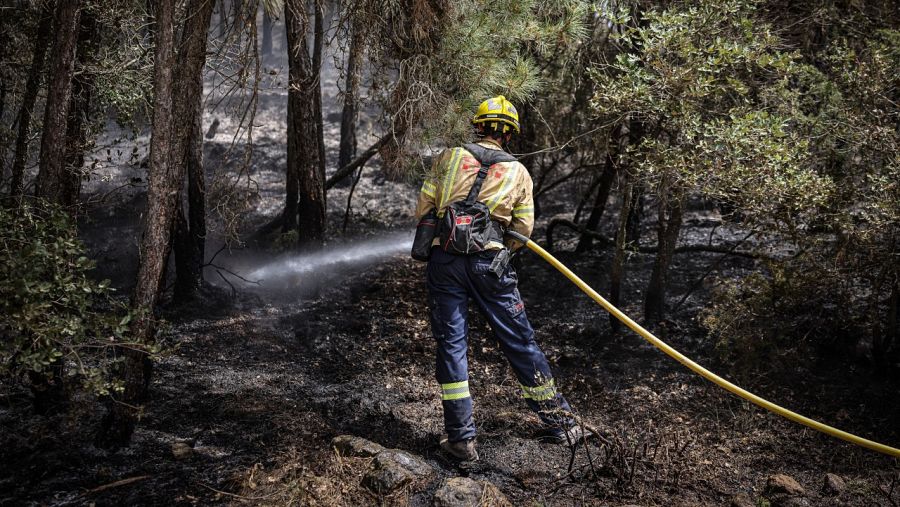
(466, 226)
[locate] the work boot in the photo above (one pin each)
(464, 450)
(573, 435)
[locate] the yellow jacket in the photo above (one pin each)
(507, 189)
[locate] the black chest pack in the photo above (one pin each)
(466, 226)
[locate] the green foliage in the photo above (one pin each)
(50, 309)
(712, 87)
(123, 64)
(841, 287)
(803, 146)
(464, 52)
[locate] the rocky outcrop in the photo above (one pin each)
(834, 484)
(465, 492)
(784, 484)
(349, 445)
(390, 470)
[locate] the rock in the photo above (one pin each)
(392, 469)
(834, 484)
(742, 500)
(349, 445)
(795, 501)
(782, 483)
(465, 492)
(182, 450)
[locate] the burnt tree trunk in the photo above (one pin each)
(223, 20)
(618, 267)
(78, 127)
(670, 213)
(305, 203)
(266, 34)
(318, 44)
(165, 181)
(53, 182)
(586, 241)
(633, 231)
(190, 238)
(351, 89)
(237, 21)
(32, 86)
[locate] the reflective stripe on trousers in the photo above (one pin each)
(452, 280)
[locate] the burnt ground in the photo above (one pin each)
(259, 386)
(254, 385)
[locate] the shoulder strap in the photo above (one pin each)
(476, 187)
(487, 158)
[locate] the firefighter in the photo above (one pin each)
(455, 279)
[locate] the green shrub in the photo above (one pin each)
(53, 316)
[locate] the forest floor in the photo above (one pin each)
(254, 386)
(256, 383)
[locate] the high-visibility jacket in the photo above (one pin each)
(507, 190)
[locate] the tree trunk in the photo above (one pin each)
(190, 241)
(267, 34)
(305, 178)
(351, 89)
(633, 231)
(53, 182)
(237, 22)
(223, 20)
(32, 86)
(318, 43)
(586, 241)
(78, 126)
(670, 215)
(165, 181)
(618, 266)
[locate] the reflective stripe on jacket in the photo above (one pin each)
(507, 189)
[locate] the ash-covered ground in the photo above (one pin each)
(256, 383)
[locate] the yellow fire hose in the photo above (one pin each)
(696, 368)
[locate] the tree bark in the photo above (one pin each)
(32, 86)
(586, 241)
(78, 126)
(237, 22)
(165, 181)
(318, 44)
(305, 203)
(190, 240)
(53, 182)
(351, 89)
(670, 213)
(223, 20)
(267, 34)
(618, 267)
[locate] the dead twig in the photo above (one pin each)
(123, 482)
(239, 497)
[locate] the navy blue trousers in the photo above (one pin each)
(452, 281)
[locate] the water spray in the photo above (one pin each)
(292, 271)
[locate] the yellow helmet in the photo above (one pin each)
(498, 113)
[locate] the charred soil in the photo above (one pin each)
(245, 404)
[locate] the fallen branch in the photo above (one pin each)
(730, 250)
(358, 162)
(123, 482)
(239, 497)
(709, 270)
(578, 228)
